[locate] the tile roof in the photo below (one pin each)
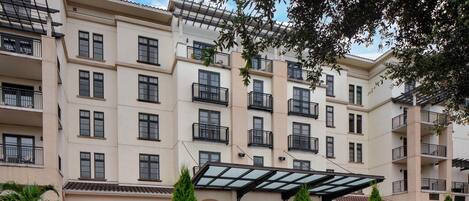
(117, 188)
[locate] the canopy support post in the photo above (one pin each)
(241, 192)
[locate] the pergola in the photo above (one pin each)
(246, 178)
(421, 99)
(461, 163)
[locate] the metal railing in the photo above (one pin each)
(211, 94)
(460, 187)
(303, 108)
(21, 154)
(261, 64)
(304, 143)
(433, 150)
(434, 117)
(260, 138)
(20, 98)
(433, 184)
(20, 45)
(219, 58)
(399, 121)
(399, 153)
(210, 132)
(260, 101)
(297, 73)
(399, 186)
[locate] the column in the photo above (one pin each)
(414, 167)
(445, 166)
(279, 115)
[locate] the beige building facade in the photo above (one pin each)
(108, 100)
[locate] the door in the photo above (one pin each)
(300, 136)
(301, 98)
(256, 62)
(258, 92)
(209, 124)
(404, 144)
(405, 116)
(405, 179)
(258, 129)
(18, 95)
(209, 85)
(294, 70)
(18, 149)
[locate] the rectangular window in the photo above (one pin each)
(359, 153)
(351, 152)
(330, 85)
(330, 147)
(84, 123)
(98, 85)
(147, 88)
(147, 50)
(60, 163)
(301, 129)
(198, 49)
(99, 124)
(359, 124)
(351, 94)
(148, 126)
(359, 95)
(205, 156)
(351, 123)
(149, 167)
(329, 116)
(83, 44)
(258, 161)
(301, 165)
(99, 166)
(84, 83)
(85, 165)
(98, 47)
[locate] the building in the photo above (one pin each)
(113, 100)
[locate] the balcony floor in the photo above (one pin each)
(20, 66)
(20, 116)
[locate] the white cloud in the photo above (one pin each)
(159, 3)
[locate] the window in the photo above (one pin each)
(205, 156)
(99, 166)
(209, 117)
(147, 88)
(351, 94)
(301, 100)
(329, 116)
(258, 161)
(148, 126)
(147, 50)
(149, 167)
(359, 153)
(198, 49)
(330, 85)
(85, 165)
(359, 95)
(18, 149)
(99, 124)
(84, 123)
(351, 123)
(295, 70)
(301, 165)
(84, 83)
(98, 85)
(330, 147)
(98, 47)
(351, 151)
(83, 44)
(359, 124)
(60, 163)
(301, 129)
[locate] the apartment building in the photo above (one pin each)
(108, 100)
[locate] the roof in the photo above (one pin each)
(420, 98)
(353, 198)
(116, 188)
(461, 163)
(246, 178)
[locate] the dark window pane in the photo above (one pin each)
(359, 95)
(258, 161)
(351, 94)
(83, 44)
(84, 123)
(329, 116)
(351, 152)
(98, 47)
(98, 124)
(85, 165)
(84, 83)
(98, 85)
(359, 153)
(148, 50)
(351, 123)
(330, 147)
(359, 124)
(148, 126)
(99, 166)
(330, 85)
(148, 88)
(149, 167)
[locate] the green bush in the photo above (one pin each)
(448, 198)
(375, 194)
(302, 194)
(184, 189)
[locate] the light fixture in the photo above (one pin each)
(241, 155)
(281, 158)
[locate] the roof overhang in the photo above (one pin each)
(461, 163)
(421, 99)
(247, 178)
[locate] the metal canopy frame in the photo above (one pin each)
(247, 178)
(461, 163)
(27, 15)
(421, 99)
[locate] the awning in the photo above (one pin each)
(461, 163)
(246, 178)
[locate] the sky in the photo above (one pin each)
(370, 52)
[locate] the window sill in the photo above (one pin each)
(148, 101)
(91, 59)
(145, 62)
(332, 96)
(330, 126)
(330, 157)
(91, 179)
(144, 139)
(91, 137)
(150, 180)
(359, 134)
(91, 98)
(356, 105)
(359, 163)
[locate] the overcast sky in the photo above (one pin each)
(370, 52)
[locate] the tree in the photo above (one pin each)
(16, 192)
(448, 198)
(302, 194)
(184, 189)
(430, 38)
(375, 194)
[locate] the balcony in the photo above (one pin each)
(431, 153)
(20, 45)
(218, 58)
(16, 104)
(260, 138)
(209, 94)
(433, 150)
(399, 186)
(261, 64)
(25, 155)
(303, 143)
(428, 119)
(210, 132)
(21, 56)
(260, 101)
(433, 184)
(460, 187)
(433, 118)
(399, 154)
(303, 108)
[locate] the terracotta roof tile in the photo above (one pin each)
(108, 187)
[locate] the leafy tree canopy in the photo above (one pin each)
(184, 189)
(16, 192)
(430, 38)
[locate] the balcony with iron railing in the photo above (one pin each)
(219, 58)
(303, 143)
(20, 45)
(430, 153)
(210, 132)
(460, 187)
(210, 94)
(430, 184)
(260, 101)
(21, 98)
(433, 118)
(399, 186)
(260, 138)
(303, 108)
(261, 64)
(428, 120)
(399, 153)
(25, 155)
(433, 150)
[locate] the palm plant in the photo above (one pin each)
(15, 192)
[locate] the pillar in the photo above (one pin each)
(445, 166)
(279, 115)
(414, 168)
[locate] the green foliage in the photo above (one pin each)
(375, 194)
(302, 194)
(184, 189)
(16, 192)
(448, 198)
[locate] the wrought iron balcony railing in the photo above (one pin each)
(433, 184)
(210, 94)
(261, 64)
(433, 150)
(260, 101)
(21, 154)
(399, 186)
(399, 121)
(434, 117)
(399, 153)
(303, 108)
(219, 58)
(260, 138)
(210, 132)
(20, 98)
(460, 187)
(303, 143)
(20, 45)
